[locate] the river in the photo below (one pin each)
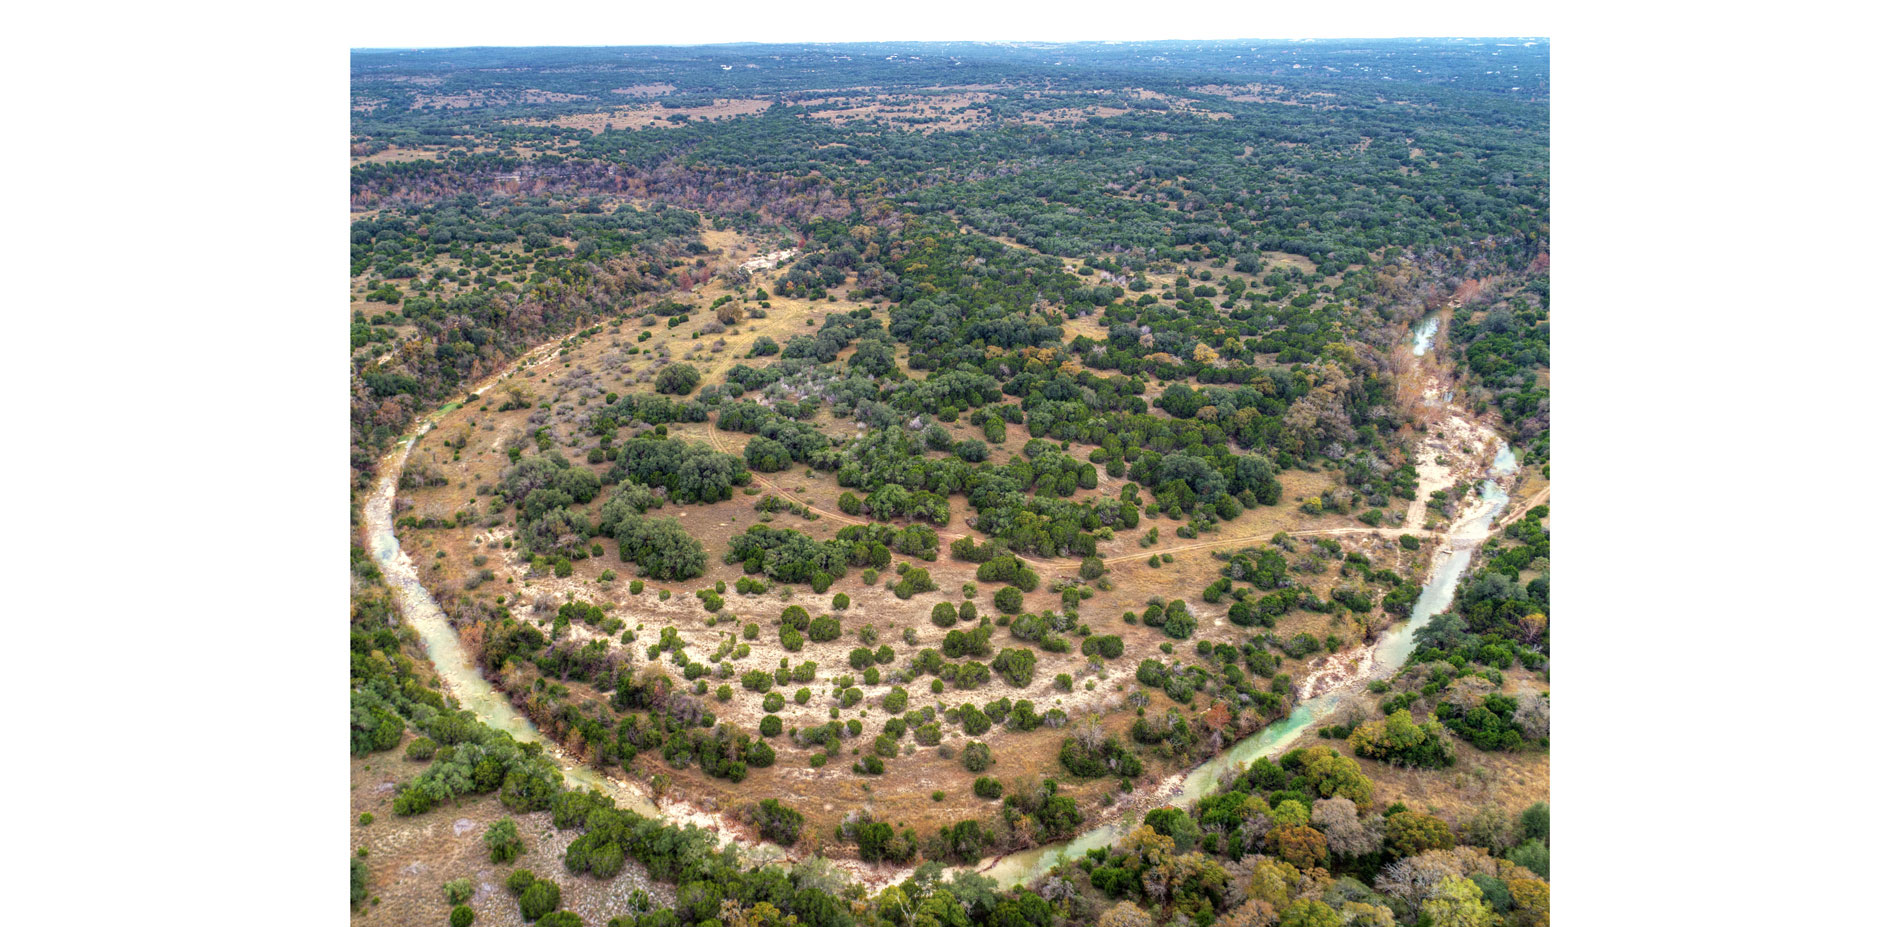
(1423, 336)
(474, 692)
(478, 696)
(1387, 655)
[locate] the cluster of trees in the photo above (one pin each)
(1091, 754)
(660, 547)
(1497, 617)
(1260, 368)
(1490, 725)
(388, 697)
(1297, 839)
(457, 325)
(689, 472)
(789, 556)
(1505, 344)
(1266, 833)
(1401, 741)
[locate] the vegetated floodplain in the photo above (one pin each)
(933, 452)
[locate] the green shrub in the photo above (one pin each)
(976, 756)
(540, 900)
(503, 841)
(1008, 600)
(777, 822)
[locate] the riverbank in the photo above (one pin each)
(1380, 659)
(1460, 443)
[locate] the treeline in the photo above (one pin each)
(463, 324)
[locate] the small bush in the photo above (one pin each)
(540, 900)
(503, 841)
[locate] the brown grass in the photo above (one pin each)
(391, 155)
(472, 98)
(411, 857)
(937, 111)
(826, 794)
(650, 115)
(1511, 780)
(1266, 93)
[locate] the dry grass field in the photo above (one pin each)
(1511, 780)
(651, 115)
(410, 858)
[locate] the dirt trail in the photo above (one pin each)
(1542, 496)
(712, 437)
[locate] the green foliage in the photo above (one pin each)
(677, 379)
(661, 548)
(1401, 741)
(976, 756)
(1016, 666)
(777, 822)
(1409, 833)
(877, 841)
(373, 729)
(1008, 600)
(1105, 757)
(503, 841)
(690, 473)
(539, 900)
(1532, 854)
(1198, 387)
(1534, 822)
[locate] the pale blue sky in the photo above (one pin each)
(439, 24)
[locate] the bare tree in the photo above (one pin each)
(1090, 735)
(1125, 914)
(1346, 835)
(1533, 714)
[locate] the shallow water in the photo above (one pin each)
(419, 608)
(1423, 336)
(1388, 654)
(477, 695)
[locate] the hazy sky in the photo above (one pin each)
(434, 23)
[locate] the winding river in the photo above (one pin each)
(478, 696)
(445, 650)
(1384, 658)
